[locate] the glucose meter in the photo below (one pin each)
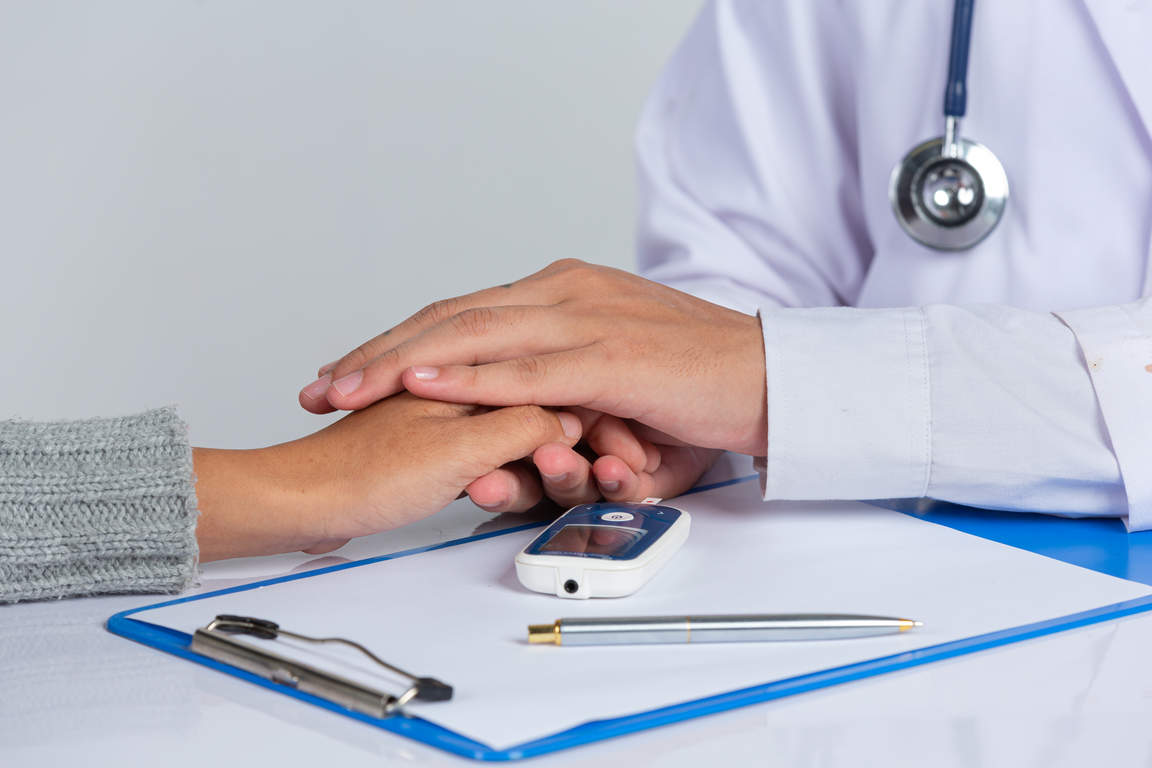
(609, 549)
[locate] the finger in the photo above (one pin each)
(617, 481)
(314, 396)
(566, 475)
(430, 315)
(679, 470)
(511, 488)
(550, 286)
(610, 436)
(642, 434)
(654, 456)
(540, 288)
(477, 335)
(507, 434)
(576, 377)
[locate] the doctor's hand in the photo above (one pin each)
(391, 464)
(573, 334)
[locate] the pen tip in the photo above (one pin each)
(907, 624)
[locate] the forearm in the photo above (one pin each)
(251, 503)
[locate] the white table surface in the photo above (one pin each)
(71, 694)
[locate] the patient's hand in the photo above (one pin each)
(630, 462)
(391, 464)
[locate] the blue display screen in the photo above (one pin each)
(605, 540)
(608, 531)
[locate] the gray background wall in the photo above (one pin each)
(201, 202)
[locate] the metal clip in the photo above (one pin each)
(213, 641)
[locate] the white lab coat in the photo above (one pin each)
(983, 377)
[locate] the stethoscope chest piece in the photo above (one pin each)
(949, 200)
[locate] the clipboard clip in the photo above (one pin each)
(214, 642)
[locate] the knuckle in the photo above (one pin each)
(593, 279)
(535, 421)
(564, 265)
(528, 370)
(469, 376)
(437, 311)
(605, 354)
(474, 322)
(355, 359)
(575, 268)
(389, 358)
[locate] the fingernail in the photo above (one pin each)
(610, 485)
(554, 478)
(490, 507)
(316, 389)
(327, 368)
(570, 423)
(424, 373)
(349, 383)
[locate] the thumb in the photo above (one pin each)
(512, 433)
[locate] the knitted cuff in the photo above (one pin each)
(97, 506)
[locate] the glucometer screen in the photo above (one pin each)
(602, 540)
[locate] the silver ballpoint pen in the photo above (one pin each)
(729, 628)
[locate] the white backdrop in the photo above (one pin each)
(201, 202)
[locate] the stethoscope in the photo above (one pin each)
(949, 193)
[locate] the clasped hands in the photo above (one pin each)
(653, 381)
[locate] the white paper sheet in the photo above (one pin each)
(459, 613)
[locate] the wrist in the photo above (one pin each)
(253, 502)
(754, 438)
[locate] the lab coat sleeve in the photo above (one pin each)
(988, 406)
(748, 185)
(1117, 346)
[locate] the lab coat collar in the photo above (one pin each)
(1123, 26)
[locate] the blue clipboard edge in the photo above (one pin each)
(177, 643)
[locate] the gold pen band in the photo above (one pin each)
(544, 633)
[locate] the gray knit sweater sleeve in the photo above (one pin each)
(98, 506)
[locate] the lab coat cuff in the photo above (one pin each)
(1116, 342)
(849, 413)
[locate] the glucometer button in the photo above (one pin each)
(617, 517)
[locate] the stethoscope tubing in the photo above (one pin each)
(956, 91)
